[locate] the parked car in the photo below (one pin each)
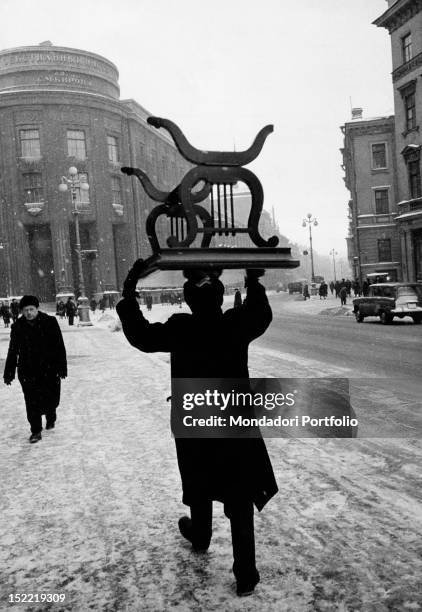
(296, 286)
(389, 300)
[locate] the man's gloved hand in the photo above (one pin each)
(252, 274)
(134, 274)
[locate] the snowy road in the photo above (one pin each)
(382, 362)
(91, 511)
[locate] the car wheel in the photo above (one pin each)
(417, 319)
(359, 316)
(386, 318)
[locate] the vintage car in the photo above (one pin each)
(296, 286)
(389, 300)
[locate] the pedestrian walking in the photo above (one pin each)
(343, 296)
(61, 309)
(305, 292)
(356, 288)
(5, 314)
(148, 302)
(102, 304)
(93, 305)
(365, 288)
(332, 287)
(38, 353)
(211, 344)
(71, 310)
(323, 290)
(237, 299)
(337, 287)
(14, 310)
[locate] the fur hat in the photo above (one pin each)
(29, 300)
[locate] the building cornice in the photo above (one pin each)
(53, 49)
(374, 126)
(398, 14)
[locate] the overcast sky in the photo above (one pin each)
(224, 69)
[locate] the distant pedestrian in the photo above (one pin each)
(71, 310)
(14, 310)
(148, 302)
(343, 296)
(61, 309)
(5, 314)
(332, 287)
(365, 288)
(348, 285)
(306, 292)
(93, 305)
(237, 299)
(102, 304)
(37, 350)
(323, 290)
(337, 287)
(356, 288)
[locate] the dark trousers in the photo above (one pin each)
(42, 396)
(241, 518)
(35, 418)
(70, 317)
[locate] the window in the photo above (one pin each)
(388, 292)
(82, 195)
(384, 250)
(410, 111)
(76, 144)
(406, 46)
(116, 190)
(30, 143)
(113, 149)
(32, 183)
(381, 201)
(379, 155)
(414, 170)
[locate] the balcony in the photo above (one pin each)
(404, 69)
(409, 209)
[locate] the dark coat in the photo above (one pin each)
(215, 347)
(36, 350)
(5, 313)
(71, 308)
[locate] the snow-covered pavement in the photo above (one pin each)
(91, 511)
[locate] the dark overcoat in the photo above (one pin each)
(212, 347)
(38, 353)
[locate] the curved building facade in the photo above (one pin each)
(60, 107)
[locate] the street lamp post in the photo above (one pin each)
(305, 253)
(333, 252)
(73, 183)
(310, 221)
